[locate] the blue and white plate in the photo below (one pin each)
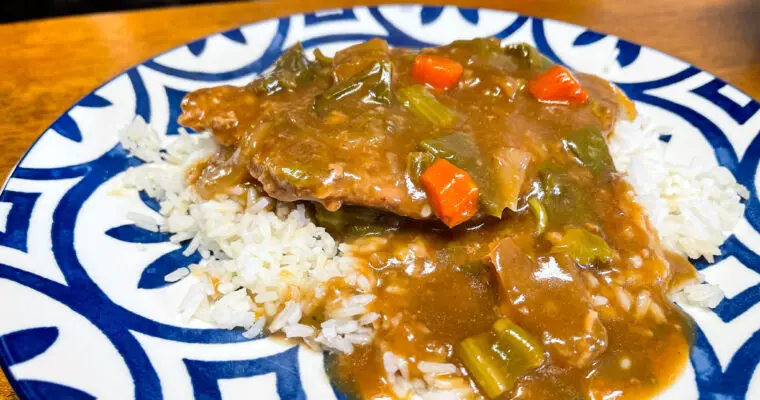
(87, 314)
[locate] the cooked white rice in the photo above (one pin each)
(693, 206)
(262, 261)
(700, 294)
(432, 381)
(266, 266)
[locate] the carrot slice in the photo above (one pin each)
(557, 85)
(436, 71)
(451, 192)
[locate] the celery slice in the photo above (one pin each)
(486, 366)
(583, 246)
(424, 105)
(539, 212)
(590, 149)
(375, 79)
(525, 352)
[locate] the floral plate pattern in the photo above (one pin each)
(86, 310)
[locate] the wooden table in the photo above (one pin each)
(48, 65)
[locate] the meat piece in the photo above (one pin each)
(550, 300)
(223, 110)
(353, 151)
(297, 155)
(334, 133)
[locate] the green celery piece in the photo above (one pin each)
(370, 229)
(525, 352)
(376, 78)
(508, 167)
(330, 220)
(381, 84)
(539, 212)
(474, 268)
(294, 61)
(416, 163)
(590, 149)
(584, 247)
(564, 201)
(322, 59)
(482, 46)
(530, 57)
(290, 71)
(373, 46)
(424, 105)
(461, 150)
(355, 221)
(485, 364)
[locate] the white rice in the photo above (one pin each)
(701, 294)
(177, 274)
(427, 367)
(260, 268)
(140, 140)
(623, 297)
(298, 331)
(693, 206)
(143, 221)
(255, 329)
(599, 301)
(440, 380)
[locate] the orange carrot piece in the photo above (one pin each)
(557, 85)
(451, 192)
(437, 71)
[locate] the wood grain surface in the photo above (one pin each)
(48, 65)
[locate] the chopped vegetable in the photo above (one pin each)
(424, 105)
(480, 46)
(355, 221)
(529, 56)
(563, 199)
(462, 151)
(474, 268)
(290, 71)
(557, 85)
(496, 358)
(584, 247)
(376, 80)
(487, 367)
(451, 192)
(322, 59)
(437, 71)
(416, 163)
(590, 149)
(368, 49)
(508, 171)
(353, 60)
(499, 183)
(525, 352)
(458, 148)
(510, 86)
(539, 212)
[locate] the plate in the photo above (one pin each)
(86, 310)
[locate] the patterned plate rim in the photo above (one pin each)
(691, 70)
